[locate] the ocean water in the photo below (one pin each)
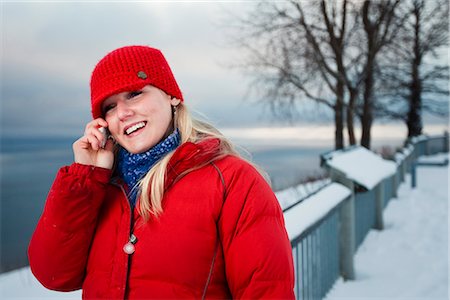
(288, 165)
(28, 168)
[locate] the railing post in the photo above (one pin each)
(395, 184)
(402, 171)
(409, 160)
(413, 175)
(379, 205)
(347, 228)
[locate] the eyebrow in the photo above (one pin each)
(129, 93)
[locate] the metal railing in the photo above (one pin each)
(364, 215)
(316, 257)
(325, 250)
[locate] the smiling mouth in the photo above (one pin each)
(135, 127)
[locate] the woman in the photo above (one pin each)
(165, 208)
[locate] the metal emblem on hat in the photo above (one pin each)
(142, 75)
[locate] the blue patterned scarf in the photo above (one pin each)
(133, 167)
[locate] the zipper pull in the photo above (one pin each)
(129, 248)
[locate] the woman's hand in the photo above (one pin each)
(88, 149)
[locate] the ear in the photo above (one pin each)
(174, 101)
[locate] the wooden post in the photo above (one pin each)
(409, 160)
(413, 175)
(401, 169)
(379, 205)
(347, 228)
(395, 183)
(427, 146)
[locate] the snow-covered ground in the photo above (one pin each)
(407, 260)
(21, 284)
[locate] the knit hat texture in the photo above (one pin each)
(127, 69)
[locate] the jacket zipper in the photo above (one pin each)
(131, 239)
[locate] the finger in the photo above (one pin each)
(94, 142)
(82, 143)
(101, 122)
(94, 124)
(97, 132)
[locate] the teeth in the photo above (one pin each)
(135, 127)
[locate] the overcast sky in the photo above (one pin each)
(50, 48)
(49, 51)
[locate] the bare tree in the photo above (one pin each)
(415, 78)
(329, 52)
(380, 26)
(299, 51)
(349, 73)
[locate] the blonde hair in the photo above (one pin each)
(151, 187)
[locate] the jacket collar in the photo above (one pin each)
(188, 156)
(191, 156)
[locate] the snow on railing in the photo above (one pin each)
(293, 195)
(306, 214)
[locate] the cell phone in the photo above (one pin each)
(106, 135)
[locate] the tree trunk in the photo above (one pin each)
(414, 118)
(339, 117)
(367, 117)
(350, 117)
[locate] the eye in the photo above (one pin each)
(108, 108)
(133, 94)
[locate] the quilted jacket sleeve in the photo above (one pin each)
(257, 252)
(59, 247)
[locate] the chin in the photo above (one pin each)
(136, 149)
(139, 144)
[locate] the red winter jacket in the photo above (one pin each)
(221, 234)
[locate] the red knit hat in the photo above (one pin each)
(130, 68)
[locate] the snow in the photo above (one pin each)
(291, 195)
(433, 159)
(419, 138)
(361, 165)
(22, 284)
(409, 258)
(305, 214)
(403, 153)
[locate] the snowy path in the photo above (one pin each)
(409, 259)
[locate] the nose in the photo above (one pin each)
(123, 110)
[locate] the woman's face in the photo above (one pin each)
(138, 120)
